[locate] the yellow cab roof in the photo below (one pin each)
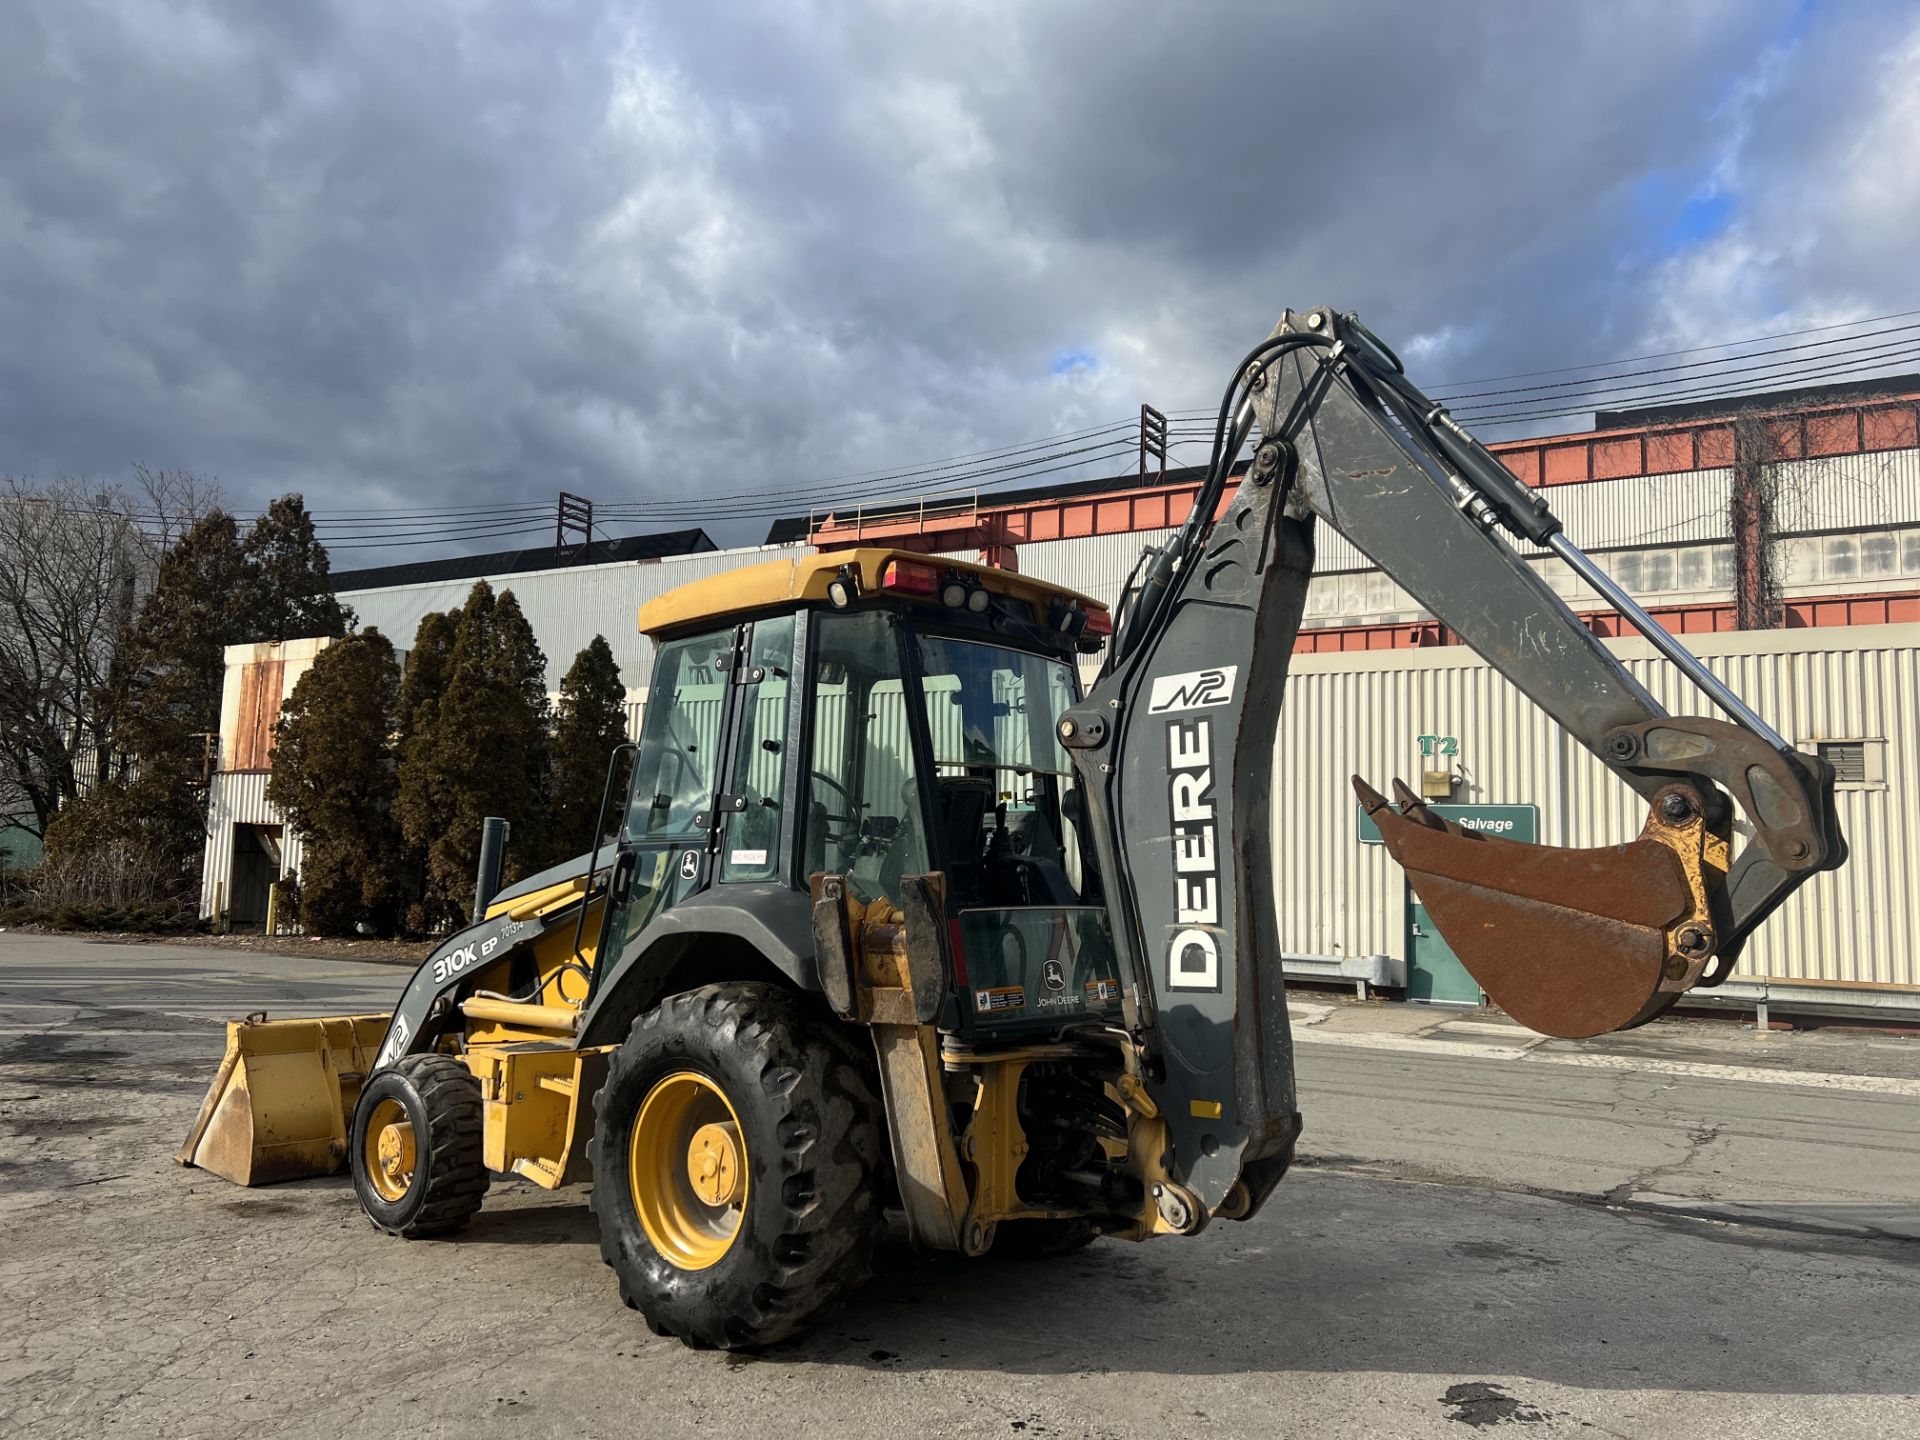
(802, 580)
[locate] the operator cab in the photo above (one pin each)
(898, 717)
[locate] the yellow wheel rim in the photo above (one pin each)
(387, 1152)
(687, 1168)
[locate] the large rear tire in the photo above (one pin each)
(415, 1148)
(737, 1153)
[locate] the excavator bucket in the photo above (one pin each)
(283, 1097)
(1570, 943)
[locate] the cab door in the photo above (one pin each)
(710, 797)
(758, 802)
(667, 834)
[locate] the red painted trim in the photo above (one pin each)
(1884, 422)
(1811, 612)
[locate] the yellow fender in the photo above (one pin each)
(283, 1097)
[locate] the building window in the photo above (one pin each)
(1626, 570)
(1910, 552)
(1723, 567)
(1841, 563)
(1857, 764)
(1799, 562)
(1693, 569)
(1659, 571)
(1879, 555)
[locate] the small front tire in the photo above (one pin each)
(416, 1144)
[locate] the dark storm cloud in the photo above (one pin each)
(463, 253)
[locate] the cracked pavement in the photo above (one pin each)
(1471, 1241)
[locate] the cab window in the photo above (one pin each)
(759, 766)
(863, 808)
(680, 737)
(1008, 811)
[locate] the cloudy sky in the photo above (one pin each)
(471, 252)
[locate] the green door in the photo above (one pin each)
(1434, 973)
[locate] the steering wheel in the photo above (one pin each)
(840, 790)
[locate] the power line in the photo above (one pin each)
(1569, 388)
(1819, 371)
(1874, 354)
(783, 502)
(762, 504)
(538, 528)
(1123, 432)
(882, 483)
(1669, 354)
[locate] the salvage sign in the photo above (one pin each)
(1499, 822)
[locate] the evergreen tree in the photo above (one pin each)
(168, 677)
(592, 720)
(333, 779)
(480, 750)
(289, 595)
(525, 725)
(419, 797)
(211, 591)
(426, 677)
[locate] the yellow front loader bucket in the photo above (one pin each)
(280, 1104)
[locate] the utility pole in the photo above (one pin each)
(574, 514)
(1153, 440)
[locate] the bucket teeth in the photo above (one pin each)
(1414, 808)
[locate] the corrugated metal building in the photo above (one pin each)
(249, 845)
(568, 599)
(1856, 690)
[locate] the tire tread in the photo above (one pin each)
(457, 1176)
(832, 1217)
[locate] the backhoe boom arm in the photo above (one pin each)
(1174, 748)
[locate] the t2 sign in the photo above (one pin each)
(1432, 745)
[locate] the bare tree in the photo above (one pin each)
(75, 557)
(1780, 489)
(170, 503)
(1753, 518)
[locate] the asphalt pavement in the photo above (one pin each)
(1690, 1231)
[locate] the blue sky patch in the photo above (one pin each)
(1701, 218)
(1678, 212)
(1068, 361)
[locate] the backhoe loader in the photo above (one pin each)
(894, 920)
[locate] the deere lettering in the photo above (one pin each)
(1193, 957)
